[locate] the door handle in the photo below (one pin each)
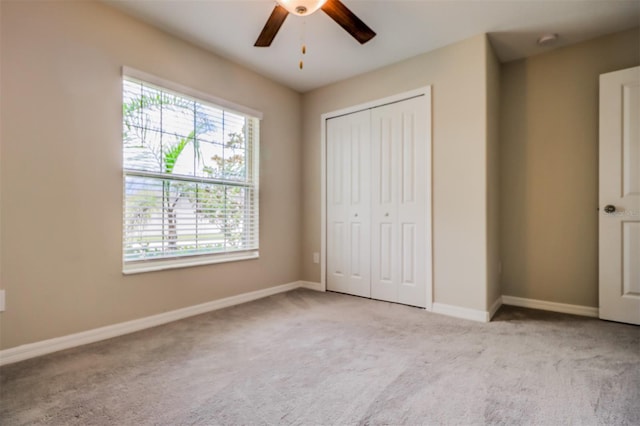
(609, 208)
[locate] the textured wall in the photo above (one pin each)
(549, 168)
(62, 171)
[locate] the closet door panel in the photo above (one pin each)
(348, 207)
(336, 208)
(399, 202)
(384, 237)
(412, 211)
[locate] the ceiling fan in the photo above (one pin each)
(334, 8)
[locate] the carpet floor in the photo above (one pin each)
(312, 358)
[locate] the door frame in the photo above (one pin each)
(422, 91)
(611, 256)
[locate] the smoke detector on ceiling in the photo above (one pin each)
(547, 39)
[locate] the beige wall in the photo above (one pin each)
(549, 166)
(519, 186)
(457, 75)
(493, 177)
(61, 171)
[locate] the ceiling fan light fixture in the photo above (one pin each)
(301, 7)
(334, 8)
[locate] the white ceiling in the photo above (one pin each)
(405, 28)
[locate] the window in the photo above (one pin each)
(190, 179)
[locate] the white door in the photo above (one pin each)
(348, 204)
(400, 239)
(619, 247)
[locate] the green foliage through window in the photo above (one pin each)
(190, 176)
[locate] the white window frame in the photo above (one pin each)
(140, 266)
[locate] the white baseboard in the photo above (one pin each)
(31, 350)
(586, 311)
(311, 285)
(494, 308)
(459, 312)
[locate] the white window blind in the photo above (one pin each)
(190, 180)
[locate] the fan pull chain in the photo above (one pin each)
(304, 46)
(304, 52)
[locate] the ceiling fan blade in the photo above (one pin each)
(272, 26)
(348, 20)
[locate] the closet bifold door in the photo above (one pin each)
(348, 204)
(399, 135)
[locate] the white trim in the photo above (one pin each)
(323, 201)
(494, 308)
(422, 91)
(43, 347)
(176, 87)
(32, 350)
(429, 255)
(459, 312)
(130, 268)
(311, 285)
(586, 311)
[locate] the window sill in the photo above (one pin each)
(161, 265)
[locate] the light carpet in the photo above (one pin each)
(311, 358)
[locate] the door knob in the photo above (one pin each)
(355, 215)
(609, 208)
(386, 214)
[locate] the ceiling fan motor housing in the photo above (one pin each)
(301, 7)
(334, 8)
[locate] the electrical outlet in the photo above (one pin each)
(1, 300)
(316, 257)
